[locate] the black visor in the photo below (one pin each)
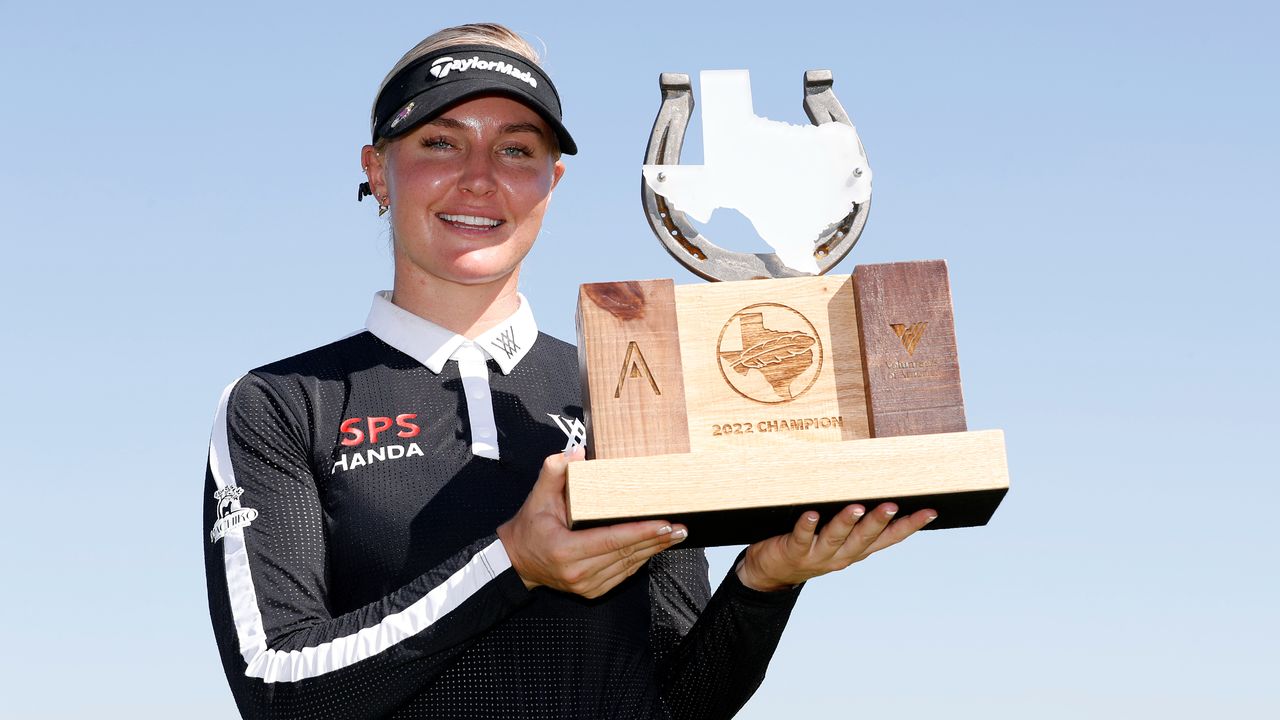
(431, 84)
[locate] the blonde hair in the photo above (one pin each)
(471, 34)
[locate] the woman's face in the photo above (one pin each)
(468, 190)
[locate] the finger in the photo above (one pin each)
(611, 575)
(619, 540)
(902, 529)
(552, 477)
(833, 536)
(800, 540)
(665, 538)
(869, 528)
(549, 491)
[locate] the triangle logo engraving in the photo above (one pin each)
(909, 334)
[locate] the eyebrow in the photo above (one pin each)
(452, 124)
(446, 123)
(522, 127)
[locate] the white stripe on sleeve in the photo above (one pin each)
(277, 666)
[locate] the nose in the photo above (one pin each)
(478, 173)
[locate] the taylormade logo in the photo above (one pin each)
(445, 65)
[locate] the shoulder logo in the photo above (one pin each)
(573, 429)
(230, 514)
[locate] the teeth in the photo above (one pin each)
(470, 220)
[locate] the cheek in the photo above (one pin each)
(420, 180)
(530, 192)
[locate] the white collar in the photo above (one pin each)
(428, 343)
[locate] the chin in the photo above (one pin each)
(478, 279)
(475, 268)
(472, 273)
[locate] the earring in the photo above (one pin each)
(383, 205)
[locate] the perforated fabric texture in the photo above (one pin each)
(365, 579)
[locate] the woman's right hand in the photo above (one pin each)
(544, 551)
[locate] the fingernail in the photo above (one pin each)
(930, 518)
(665, 529)
(859, 511)
(680, 534)
(811, 518)
(891, 512)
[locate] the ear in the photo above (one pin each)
(374, 164)
(559, 172)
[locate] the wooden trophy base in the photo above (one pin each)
(734, 407)
(740, 496)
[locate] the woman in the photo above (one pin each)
(386, 520)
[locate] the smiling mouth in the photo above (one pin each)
(470, 222)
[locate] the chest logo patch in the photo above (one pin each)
(364, 439)
(573, 429)
(230, 514)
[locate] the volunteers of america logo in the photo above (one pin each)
(230, 515)
(769, 353)
(573, 429)
(909, 334)
(442, 66)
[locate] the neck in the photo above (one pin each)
(465, 309)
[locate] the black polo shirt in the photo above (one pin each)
(353, 494)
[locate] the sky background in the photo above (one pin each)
(177, 206)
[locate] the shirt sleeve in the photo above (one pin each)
(284, 652)
(710, 651)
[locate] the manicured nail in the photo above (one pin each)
(859, 511)
(680, 534)
(891, 512)
(664, 530)
(811, 518)
(930, 518)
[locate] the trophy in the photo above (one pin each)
(734, 406)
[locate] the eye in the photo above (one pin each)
(437, 143)
(516, 151)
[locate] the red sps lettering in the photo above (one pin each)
(351, 427)
(408, 429)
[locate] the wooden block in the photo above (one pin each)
(771, 363)
(782, 383)
(629, 360)
(908, 346)
(743, 494)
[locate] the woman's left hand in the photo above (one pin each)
(852, 535)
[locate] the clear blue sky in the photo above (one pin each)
(177, 206)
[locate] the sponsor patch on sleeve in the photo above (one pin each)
(230, 515)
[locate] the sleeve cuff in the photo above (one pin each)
(505, 576)
(771, 598)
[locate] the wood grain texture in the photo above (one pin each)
(629, 361)
(749, 493)
(771, 362)
(908, 346)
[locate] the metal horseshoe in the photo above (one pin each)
(693, 250)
